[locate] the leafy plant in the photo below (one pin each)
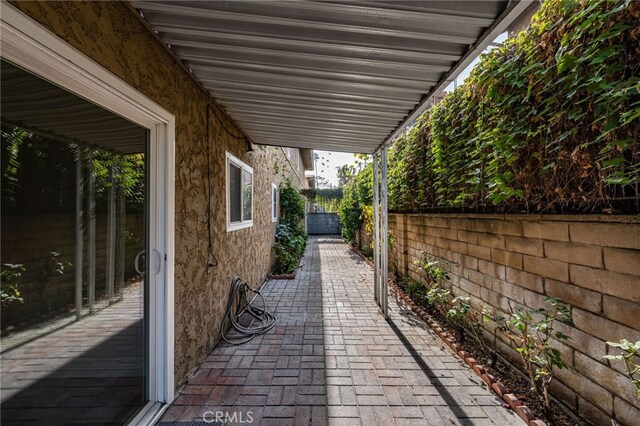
(357, 194)
(546, 122)
(476, 324)
(10, 276)
(458, 314)
(291, 205)
(459, 310)
(414, 289)
(530, 332)
(629, 353)
(430, 266)
(438, 297)
(291, 239)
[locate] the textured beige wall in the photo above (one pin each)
(591, 262)
(111, 34)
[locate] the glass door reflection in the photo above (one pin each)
(73, 219)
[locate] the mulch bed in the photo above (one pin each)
(503, 378)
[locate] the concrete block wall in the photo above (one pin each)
(591, 262)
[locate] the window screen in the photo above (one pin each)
(274, 203)
(235, 193)
(247, 182)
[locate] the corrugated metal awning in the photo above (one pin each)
(342, 76)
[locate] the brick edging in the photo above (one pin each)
(498, 388)
(283, 276)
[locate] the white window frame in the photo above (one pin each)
(275, 206)
(34, 48)
(234, 226)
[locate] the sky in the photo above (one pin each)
(332, 160)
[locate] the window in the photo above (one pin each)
(274, 203)
(239, 194)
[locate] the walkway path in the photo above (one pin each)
(333, 359)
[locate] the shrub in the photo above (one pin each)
(289, 247)
(357, 194)
(291, 239)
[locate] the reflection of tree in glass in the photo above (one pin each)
(10, 276)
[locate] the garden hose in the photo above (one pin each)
(238, 305)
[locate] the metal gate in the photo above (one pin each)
(323, 224)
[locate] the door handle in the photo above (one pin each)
(158, 263)
(136, 262)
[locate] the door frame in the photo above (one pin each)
(32, 47)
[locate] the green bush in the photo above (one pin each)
(291, 239)
(357, 194)
(547, 122)
(289, 247)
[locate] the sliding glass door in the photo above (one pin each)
(75, 237)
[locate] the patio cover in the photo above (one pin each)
(338, 76)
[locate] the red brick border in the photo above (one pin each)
(283, 276)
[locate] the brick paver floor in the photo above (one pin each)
(333, 359)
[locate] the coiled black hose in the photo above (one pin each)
(237, 305)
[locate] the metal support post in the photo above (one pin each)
(79, 235)
(376, 229)
(91, 201)
(384, 240)
(111, 235)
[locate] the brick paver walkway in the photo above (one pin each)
(333, 359)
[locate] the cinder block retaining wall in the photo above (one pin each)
(591, 262)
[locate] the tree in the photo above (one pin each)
(346, 172)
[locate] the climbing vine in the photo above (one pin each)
(326, 199)
(547, 122)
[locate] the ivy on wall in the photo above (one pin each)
(326, 199)
(547, 122)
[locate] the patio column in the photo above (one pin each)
(380, 256)
(384, 238)
(376, 229)
(79, 234)
(91, 209)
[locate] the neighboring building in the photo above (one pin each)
(92, 102)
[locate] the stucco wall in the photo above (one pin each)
(113, 36)
(591, 262)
